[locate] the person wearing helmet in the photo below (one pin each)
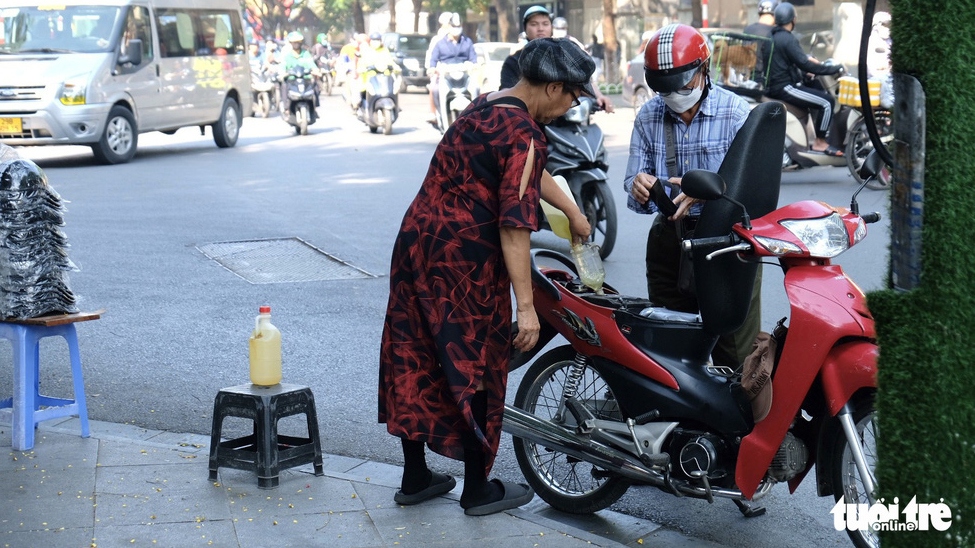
(538, 23)
(294, 58)
(560, 29)
(878, 47)
(763, 29)
(454, 49)
(444, 21)
(703, 121)
(321, 50)
(786, 69)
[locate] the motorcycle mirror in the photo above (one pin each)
(871, 165)
(702, 185)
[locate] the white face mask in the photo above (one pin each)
(455, 31)
(682, 103)
(559, 33)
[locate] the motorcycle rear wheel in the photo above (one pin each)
(600, 211)
(846, 479)
(566, 483)
(858, 146)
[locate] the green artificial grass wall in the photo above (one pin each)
(926, 397)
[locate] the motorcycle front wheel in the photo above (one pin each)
(564, 482)
(387, 121)
(600, 211)
(847, 482)
(302, 114)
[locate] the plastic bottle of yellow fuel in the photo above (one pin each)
(265, 350)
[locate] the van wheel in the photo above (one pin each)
(227, 128)
(119, 138)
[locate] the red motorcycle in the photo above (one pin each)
(634, 399)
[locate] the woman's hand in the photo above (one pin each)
(579, 227)
(528, 329)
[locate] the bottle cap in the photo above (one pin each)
(265, 310)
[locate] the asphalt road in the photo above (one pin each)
(176, 323)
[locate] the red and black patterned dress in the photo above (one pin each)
(448, 321)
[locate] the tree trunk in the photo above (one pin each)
(611, 47)
(392, 16)
(508, 26)
(417, 8)
(358, 18)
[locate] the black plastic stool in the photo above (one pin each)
(264, 451)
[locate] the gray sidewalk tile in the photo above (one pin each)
(331, 529)
(209, 534)
(54, 538)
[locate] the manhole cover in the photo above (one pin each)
(280, 260)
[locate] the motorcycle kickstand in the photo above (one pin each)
(749, 510)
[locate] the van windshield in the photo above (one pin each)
(58, 29)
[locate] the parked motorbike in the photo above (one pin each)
(263, 88)
(634, 399)
(302, 92)
(457, 91)
(576, 152)
(380, 101)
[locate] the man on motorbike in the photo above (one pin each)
(298, 56)
(703, 121)
(456, 48)
(537, 23)
(444, 21)
(374, 57)
(786, 69)
(763, 28)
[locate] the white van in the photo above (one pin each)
(100, 72)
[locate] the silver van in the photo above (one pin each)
(100, 72)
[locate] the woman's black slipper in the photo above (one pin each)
(515, 495)
(439, 484)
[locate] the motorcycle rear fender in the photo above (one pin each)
(384, 102)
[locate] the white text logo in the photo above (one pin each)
(889, 517)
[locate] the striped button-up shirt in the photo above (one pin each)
(701, 145)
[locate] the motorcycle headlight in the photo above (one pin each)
(456, 75)
(825, 237)
(578, 114)
(74, 90)
(411, 64)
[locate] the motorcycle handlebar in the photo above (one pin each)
(708, 244)
(871, 217)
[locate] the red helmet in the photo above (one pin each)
(673, 56)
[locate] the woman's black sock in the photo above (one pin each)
(416, 475)
(477, 489)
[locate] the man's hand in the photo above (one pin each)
(683, 203)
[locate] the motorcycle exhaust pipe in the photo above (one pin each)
(521, 424)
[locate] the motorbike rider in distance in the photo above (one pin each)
(298, 56)
(454, 49)
(787, 66)
(375, 56)
(538, 23)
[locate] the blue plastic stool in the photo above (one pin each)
(26, 402)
